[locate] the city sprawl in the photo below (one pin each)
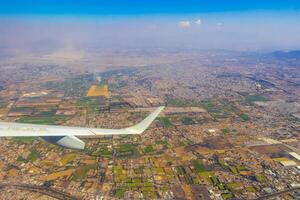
(230, 129)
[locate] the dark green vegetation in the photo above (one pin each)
(218, 109)
(253, 98)
(260, 178)
(119, 193)
(148, 149)
(226, 196)
(225, 130)
(244, 117)
(44, 120)
(209, 106)
(165, 122)
(215, 181)
(139, 170)
(81, 172)
(47, 118)
(187, 121)
(73, 87)
(182, 103)
(21, 109)
(234, 186)
(24, 139)
(125, 150)
(33, 156)
(198, 165)
(181, 170)
(103, 151)
(92, 104)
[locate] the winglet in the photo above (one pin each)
(143, 125)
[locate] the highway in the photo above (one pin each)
(40, 189)
(268, 196)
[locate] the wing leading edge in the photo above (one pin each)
(18, 129)
(66, 136)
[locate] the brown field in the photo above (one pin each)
(88, 162)
(98, 90)
(270, 149)
(56, 175)
(12, 173)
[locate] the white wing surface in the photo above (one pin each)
(66, 136)
(18, 129)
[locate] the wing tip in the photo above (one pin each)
(143, 125)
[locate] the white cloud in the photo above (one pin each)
(220, 26)
(198, 22)
(184, 24)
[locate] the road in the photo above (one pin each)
(277, 193)
(40, 189)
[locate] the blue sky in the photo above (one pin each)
(141, 7)
(204, 24)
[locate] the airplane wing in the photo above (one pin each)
(66, 135)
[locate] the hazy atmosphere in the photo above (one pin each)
(29, 26)
(149, 99)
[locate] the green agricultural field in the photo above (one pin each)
(21, 109)
(139, 170)
(33, 156)
(180, 170)
(92, 104)
(119, 193)
(209, 106)
(226, 196)
(165, 122)
(206, 175)
(242, 168)
(51, 120)
(68, 158)
(149, 149)
(225, 130)
(183, 103)
(125, 150)
(234, 186)
(198, 165)
(149, 193)
(164, 143)
(244, 117)
(21, 159)
(103, 151)
(253, 98)
(81, 172)
(234, 170)
(187, 121)
(45, 117)
(260, 178)
(73, 87)
(214, 180)
(250, 189)
(24, 139)
(221, 186)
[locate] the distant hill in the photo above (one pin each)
(286, 54)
